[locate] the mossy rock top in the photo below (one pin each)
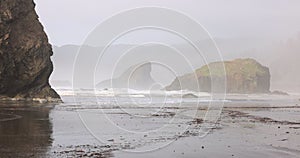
(246, 67)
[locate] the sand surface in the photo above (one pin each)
(255, 126)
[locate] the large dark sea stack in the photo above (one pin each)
(25, 64)
(242, 76)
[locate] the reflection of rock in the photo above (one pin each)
(279, 93)
(25, 64)
(242, 75)
(135, 77)
(189, 95)
(24, 133)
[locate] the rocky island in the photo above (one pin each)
(242, 76)
(135, 77)
(25, 64)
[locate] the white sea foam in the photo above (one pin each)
(130, 96)
(130, 92)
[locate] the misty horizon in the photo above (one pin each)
(264, 51)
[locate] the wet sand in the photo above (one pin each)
(246, 128)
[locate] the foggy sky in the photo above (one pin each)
(69, 21)
(259, 29)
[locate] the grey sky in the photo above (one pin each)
(69, 21)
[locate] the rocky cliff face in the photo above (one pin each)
(25, 64)
(242, 76)
(136, 77)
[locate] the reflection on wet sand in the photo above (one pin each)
(25, 130)
(91, 130)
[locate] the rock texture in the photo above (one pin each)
(25, 64)
(242, 76)
(136, 77)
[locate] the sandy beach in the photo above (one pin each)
(252, 126)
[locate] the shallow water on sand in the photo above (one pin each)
(248, 127)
